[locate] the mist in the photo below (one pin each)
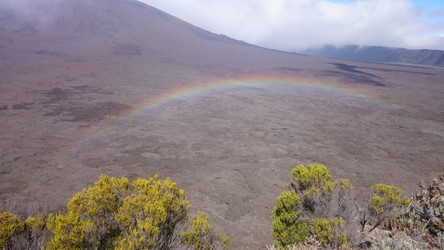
(287, 25)
(298, 25)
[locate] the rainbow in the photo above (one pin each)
(207, 88)
(201, 89)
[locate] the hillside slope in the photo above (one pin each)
(381, 54)
(117, 87)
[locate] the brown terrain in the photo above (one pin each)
(87, 88)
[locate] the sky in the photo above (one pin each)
(295, 25)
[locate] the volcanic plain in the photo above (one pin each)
(119, 88)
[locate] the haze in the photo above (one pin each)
(298, 25)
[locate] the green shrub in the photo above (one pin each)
(200, 235)
(10, 225)
(288, 228)
(326, 229)
(148, 217)
(114, 213)
(314, 205)
(386, 203)
(90, 220)
(386, 198)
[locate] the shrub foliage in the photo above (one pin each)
(116, 214)
(314, 211)
(10, 225)
(424, 218)
(386, 203)
(313, 205)
(316, 208)
(200, 235)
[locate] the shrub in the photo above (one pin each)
(34, 232)
(114, 213)
(314, 204)
(149, 215)
(424, 218)
(200, 235)
(10, 225)
(398, 241)
(90, 220)
(321, 196)
(387, 198)
(386, 203)
(288, 228)
(325, 229)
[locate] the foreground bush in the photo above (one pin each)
(10, 225)
(18, 234)
(314, 205)
(117, 214)
(200, 236)
(424, 218)
(317, 211)
(114, 213)
(386, 203)
(313, 212)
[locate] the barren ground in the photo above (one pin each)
(64, 121)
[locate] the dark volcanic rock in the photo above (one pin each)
(120, 88)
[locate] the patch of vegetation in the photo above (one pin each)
(424, 218)
(116, 214)
(10, 225)
(386, 203)
(316, 211)
(314, 204)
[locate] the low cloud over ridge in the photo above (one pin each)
(297, 25)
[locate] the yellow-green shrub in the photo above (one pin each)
(200, 235)
(386, 203)
(10, 225)
(313, 205)
(90, 219)
(288, 228)
(149, 215)
(387, 197)
(325, 229)
(115, 213)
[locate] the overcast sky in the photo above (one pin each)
(294, 25)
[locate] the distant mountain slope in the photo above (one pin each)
(117, 87)
(380, 54)
(59, 23)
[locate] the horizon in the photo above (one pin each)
(410, 24)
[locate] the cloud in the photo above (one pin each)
(294, 25)
(32, 11)
(437, 13)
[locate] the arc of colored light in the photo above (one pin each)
(197, 90)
